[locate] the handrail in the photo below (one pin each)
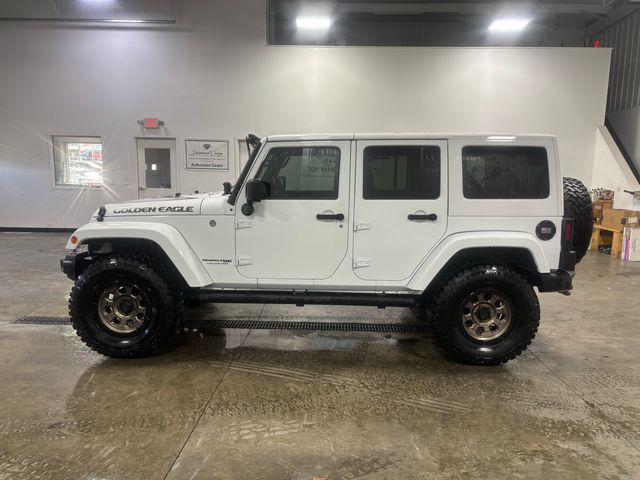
(623, 150)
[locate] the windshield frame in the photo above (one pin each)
(243, 175)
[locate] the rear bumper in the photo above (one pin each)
(560, 280)
(556, 281)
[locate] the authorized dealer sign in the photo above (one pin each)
(207, 154)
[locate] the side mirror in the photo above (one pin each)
(257, 190)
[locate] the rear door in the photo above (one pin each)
(400, 205)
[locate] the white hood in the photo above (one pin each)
(183, 205)
(192, 204)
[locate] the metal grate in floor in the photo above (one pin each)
(42, 321)
(310, 326)
(203, 324)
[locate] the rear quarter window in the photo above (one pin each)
(505, 172)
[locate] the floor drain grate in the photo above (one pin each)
(202, 324)
(309, 326)
(43, 321)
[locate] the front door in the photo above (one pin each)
(400, 206)
(300, 230)
(156, 167)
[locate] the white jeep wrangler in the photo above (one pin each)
(464, 225)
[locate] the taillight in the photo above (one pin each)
(567, 231)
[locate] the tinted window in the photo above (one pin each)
(301, 172)
(401, 172)
(505, 172)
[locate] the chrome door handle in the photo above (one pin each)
(417, 217)
(330, 216)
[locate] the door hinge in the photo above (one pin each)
(243, 260)
(361, 225)
(243, 224)
(360, 262)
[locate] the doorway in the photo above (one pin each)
(156, 167)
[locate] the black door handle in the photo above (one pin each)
(330, 216)
(430, 216)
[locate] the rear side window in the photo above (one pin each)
(401, 172)
(301, 172)
(505, 172)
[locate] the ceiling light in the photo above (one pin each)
(126, 21)
(501, 138)
(313, 23)
(509, 24)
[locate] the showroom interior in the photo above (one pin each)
(168, 105)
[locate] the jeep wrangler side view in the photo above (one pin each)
(464, 225)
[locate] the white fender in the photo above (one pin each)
(166, 236)
(452, 244)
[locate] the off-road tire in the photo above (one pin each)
(447, 310)
(158, 329)
(578, 205)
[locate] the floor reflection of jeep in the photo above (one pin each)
(462, 227)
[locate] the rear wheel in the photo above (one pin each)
(578, 205)
(486, 315)
(123, 308)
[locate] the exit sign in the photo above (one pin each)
(151, 122)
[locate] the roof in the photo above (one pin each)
(310, 137)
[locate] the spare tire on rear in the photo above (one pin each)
(578, 205)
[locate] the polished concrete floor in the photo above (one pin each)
(258, 404)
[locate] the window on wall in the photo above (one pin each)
(401, 172)
(505, 172)
(77, 161)
(307, 172)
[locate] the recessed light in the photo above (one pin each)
(509, 24)
(313, 23)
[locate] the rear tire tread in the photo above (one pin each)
(440, 318)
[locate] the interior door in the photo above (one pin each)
(156, 167)
(400, 205)
(300, 230)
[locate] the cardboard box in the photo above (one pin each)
(615, 218)
(598, 208)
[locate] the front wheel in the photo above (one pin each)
(123, 308)
(486, 315)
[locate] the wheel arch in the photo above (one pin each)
(161, 241)
(517, 250)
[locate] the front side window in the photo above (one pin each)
(77, 160)
(401, 172)
(505, 172)
(301, 172)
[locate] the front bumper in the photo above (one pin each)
(73, 263)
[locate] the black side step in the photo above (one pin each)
(307, 298)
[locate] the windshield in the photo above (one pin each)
(252, 142)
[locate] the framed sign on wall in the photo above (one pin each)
(207, 154)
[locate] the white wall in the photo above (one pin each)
(610, 171)
(212, 76)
